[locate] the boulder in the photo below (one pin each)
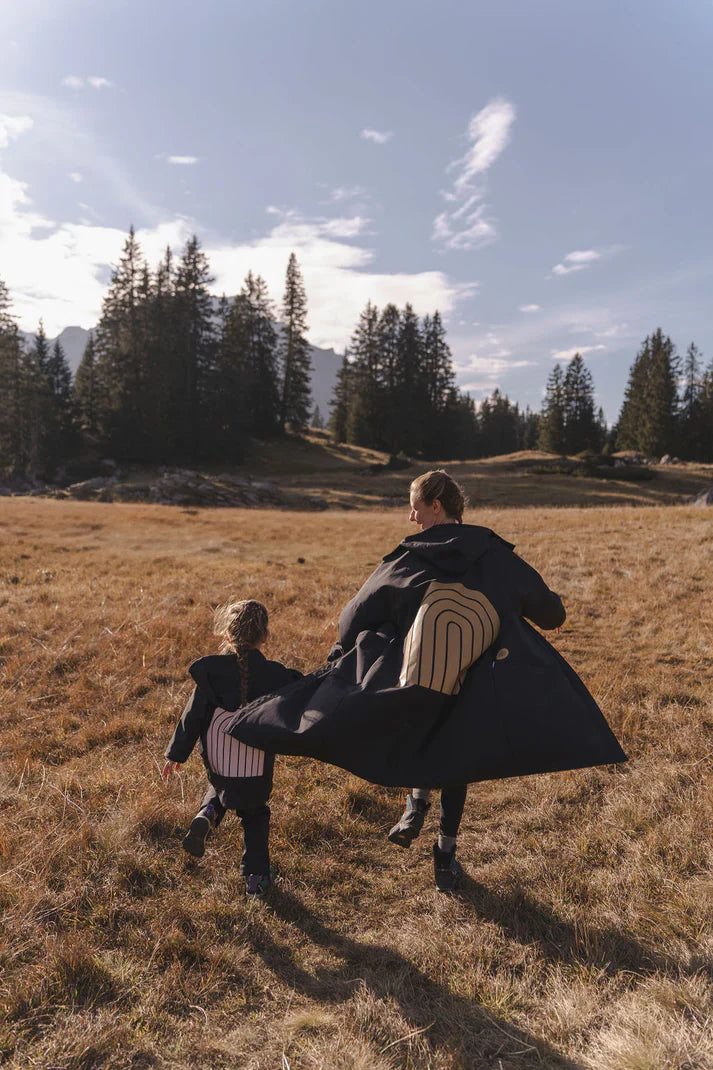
(90, 488)
(704, 498)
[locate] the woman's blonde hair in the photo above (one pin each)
(241, 626)
(438, 485)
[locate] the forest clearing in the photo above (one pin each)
(582, 936)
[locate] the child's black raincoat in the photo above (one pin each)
(437, 679)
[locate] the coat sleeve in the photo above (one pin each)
(194, 719)
(368, 610)
(537, 602)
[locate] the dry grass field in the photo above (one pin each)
(582, 937)
(353, 477)
(312, 464)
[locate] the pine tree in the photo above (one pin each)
(316, 420)
(40, 418)
(410, 417)
(119, 347)
(86, 390)
(581, 427)
(692, 431)
(649, 413)
(366, 418)
(294, 351)
(552, 418)
(253, 341)
(227, 390)
(195, 349)
(706, 398)
(499, 425)
(339, 405)
(13, 392)
(438, 384)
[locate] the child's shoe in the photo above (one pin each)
(201, 825)
(447, 869)
(258, 885)
(410, 823)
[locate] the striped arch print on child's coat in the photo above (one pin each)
(227, 756)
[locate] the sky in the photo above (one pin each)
(540, 173)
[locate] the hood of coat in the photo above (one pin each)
(451, 548)
(219, 676)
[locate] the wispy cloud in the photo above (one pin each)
(466, 224)
(182, 161)
(481, 374)
(95, 81)
(58, 270)
(576, 261)
(379, 137)
(11, 126)
(567, 354)
(529, 308)
(345, 193)
(76, 176)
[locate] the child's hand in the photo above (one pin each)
(169, 769)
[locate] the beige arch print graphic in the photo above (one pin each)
(452, 628)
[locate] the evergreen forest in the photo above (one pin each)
(173, 375)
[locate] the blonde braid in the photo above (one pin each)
(241, 625)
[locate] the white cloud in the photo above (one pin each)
(489, 133)
(73, 81)
(345, 193)
(567, 354)
(483, 374)
(58, 270)
(576, 261)
(337, 274)
(529, 308)
(186, 161)
(379, 137)
(617, 330)
(76, 176)
(465, 225)
(11, 126)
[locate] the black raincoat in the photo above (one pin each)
(437, 678)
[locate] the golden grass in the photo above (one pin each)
(582, 937)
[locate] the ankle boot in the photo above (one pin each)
(410, 823)
(201, 826)
(447, 869)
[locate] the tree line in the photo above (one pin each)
(169, 375)
(173, 375)
(667, 406)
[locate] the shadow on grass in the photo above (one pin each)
(451, 1023)
(529, 922)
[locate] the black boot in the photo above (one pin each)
(446, 869)
(201, 825)
(411, 822)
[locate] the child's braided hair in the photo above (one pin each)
(241, 626)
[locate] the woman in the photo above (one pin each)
(437, 679)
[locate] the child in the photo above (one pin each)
(240, 776)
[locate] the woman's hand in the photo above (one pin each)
(169, 769)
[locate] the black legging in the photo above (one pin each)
(452, 806)
(256, 831)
